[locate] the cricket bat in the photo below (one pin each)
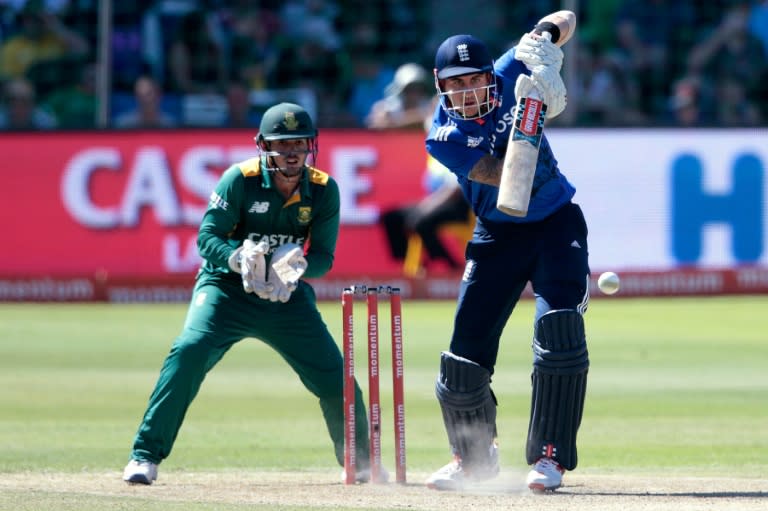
(523, 148)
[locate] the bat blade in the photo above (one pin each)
(521, 157)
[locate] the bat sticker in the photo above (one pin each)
(529, 121)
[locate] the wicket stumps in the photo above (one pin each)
(374, 404)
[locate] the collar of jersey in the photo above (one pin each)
(303, 190)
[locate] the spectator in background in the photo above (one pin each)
(148, 112)
(602, 89)
(607, 93)
(648, 33)
(232, 11)
(132, 51)
(57, 7)
(690, 104)
(409, 100)
(240, 114)
(370, 72)
(314, 57)
(316, 61)
(398, 27)
(76, 105)
(597, 20)
(19, 109)
(254, 49)
(196, 64)
(734, 106)
(42, 37)
(370, 78)
(734, 62)
(296, 16)
(758, 22)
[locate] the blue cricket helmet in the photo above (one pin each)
(462, 54)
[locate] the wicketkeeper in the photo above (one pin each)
(271, 221)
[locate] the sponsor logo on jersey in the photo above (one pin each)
(259, 207)
(217, 202)
(276, 240)
(474, 141)
(305, 215)
(506, 120)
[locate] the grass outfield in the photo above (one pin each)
(675, 385)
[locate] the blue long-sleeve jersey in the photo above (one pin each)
(459, 145)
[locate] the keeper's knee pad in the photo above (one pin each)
(559, 381)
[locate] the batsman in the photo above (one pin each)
(271, 221)
(547, 247)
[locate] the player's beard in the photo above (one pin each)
(288, 170)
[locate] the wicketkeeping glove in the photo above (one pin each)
(248, 261)
(288, 265)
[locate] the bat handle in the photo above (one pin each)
(548, 30)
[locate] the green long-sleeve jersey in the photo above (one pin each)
(245, 204)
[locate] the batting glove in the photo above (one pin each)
(537, 50)
(549, 86)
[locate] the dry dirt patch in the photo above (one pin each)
(582, 493)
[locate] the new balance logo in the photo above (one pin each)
(259, 207)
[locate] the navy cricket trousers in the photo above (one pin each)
(551, 254)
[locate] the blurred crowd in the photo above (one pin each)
(217, 63)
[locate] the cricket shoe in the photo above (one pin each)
(545, 475)
(140, 472)
(364, 475)
(454, 476)
(448, 478)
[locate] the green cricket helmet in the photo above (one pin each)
(285, 121)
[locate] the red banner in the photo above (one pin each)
(113, 216)
(127, 204)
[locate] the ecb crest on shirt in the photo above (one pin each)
(305, 215)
